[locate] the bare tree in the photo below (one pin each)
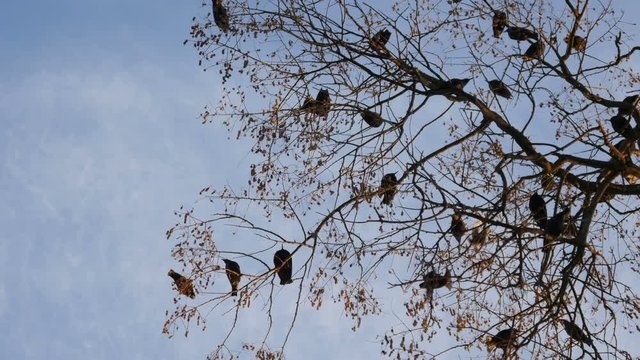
(475, 157)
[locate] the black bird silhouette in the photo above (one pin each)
(504, 339)
(621, 125)
(232, 269)
(388, 188)
(456, 84)
(220, 15)
(576, 333)
(323, 102)
(557, 224)
(499, 88)
(535, 51)
(433, 280)
(579, 43)
(320, 105)
(499, 23)
(521, 34)
(458, 228)
(538, 208)
(184, 285)
(284, 266)
(380, 39)
(372, 119)
(630, 103)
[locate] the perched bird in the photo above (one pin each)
(309, 104)
(458, 228)
(621, 125)
(579, 43)
(478, 238)
(557, 224)
(457, 84)
(380, 39)
(504, 339)
(323, 102)
(521, 34)
(433, 280)
(576, 332)
(499, 23)
(372, 119)
(284, 266)
(538, 208)
(320, 105)
(630, 103)
(184, 285)
(499, 88)
(388, 188)
(232, 269)
(535, 51)
(220, 15)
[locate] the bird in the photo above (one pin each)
(457, 84)
(499, 23)
(458, 228)
(557, 224)
(433, 280)
(630, 103)
(380, 39)
(621, 125)
(535, 51)
(499, 88)
(579, 43)
(323, 103)
(538, 208)
(576, 333)
(388, 188)
(521, 34)
(220, 15)
(184, 285)
(284, 266)
(504, 339)
(372, 119)
(232, 269)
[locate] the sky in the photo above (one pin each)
(100, 142)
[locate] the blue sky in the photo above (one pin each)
(100, 142)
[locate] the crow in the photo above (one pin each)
(535, 51)
(499, 23)
(504, 339)
(323, 103)
(220, 15)
(579, 43)
(521, 34)
(372, 119)
(184, 285)
(284, 266)
(432, 281)
(380, 39)
(576, 333)
(621, 125)
(388, 188)
(458, 228)
(499, 88)
(232, 269)
(538, 208)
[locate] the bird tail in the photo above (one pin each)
(234, 292)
